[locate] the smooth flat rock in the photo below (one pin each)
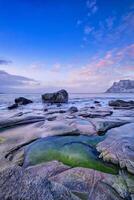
(103, 125)
(58, 127)
(20, 120)
(118, 147)
(84, 126)
(19, 136)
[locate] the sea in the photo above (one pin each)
(75, 99)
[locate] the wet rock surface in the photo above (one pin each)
(13, 106)
(19, 101)
(68, 152)
(22, 101)
(120, 104)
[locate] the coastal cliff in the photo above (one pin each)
(123, 86)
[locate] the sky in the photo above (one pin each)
(79, 45)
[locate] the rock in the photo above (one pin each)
(125, 86)
(92, 107)
(103, 125)
(119, 104)
(70, 150)
(58, 127)
(93, 185)
(21, 120)
(51, 117)
(96, 102)
(54, 111)
(83, 126)
(48, 169)
(95, 113)
(55, 181)
(73, 109)
(16, 138)
(118, 147)
(13, 106)
(22, 101)
(57, 97)
(17, 183)
(59, 104)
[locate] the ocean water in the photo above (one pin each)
(79, 100)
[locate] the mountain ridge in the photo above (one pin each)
(122, 86)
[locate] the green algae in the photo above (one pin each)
(2, 139)
(81, 195)
(75, 151)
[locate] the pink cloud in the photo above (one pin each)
(130, 50)
(126, 52)
(128, 68)
(106, 60)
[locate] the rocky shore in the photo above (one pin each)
(61, 153)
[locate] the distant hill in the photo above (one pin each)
(123, 86)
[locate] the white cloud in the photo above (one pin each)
(110, 22)
(79, 22)
(88, 30)
(92, 6)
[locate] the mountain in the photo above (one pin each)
(14, 83)
(123, 86)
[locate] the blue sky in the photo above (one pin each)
(75, 44)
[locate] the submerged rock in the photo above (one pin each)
(70, 150)
(57, 97)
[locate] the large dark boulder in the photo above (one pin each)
(57, 97)
(22, 101)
